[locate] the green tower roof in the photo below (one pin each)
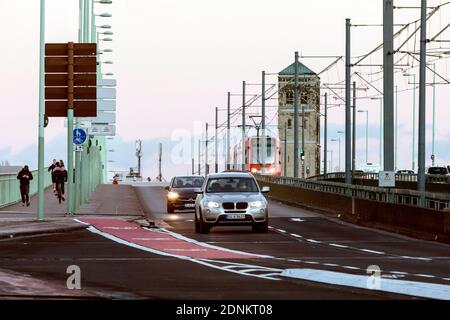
(302, 70)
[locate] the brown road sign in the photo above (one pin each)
(80, 49)
(81, 108)
(79, 79)
(60, 64)
(70, 77)
(80, 93)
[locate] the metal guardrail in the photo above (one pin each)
(430, 178)
(435, 201)
(9, 187)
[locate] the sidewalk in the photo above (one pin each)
(107, 200)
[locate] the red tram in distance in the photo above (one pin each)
(253, 158)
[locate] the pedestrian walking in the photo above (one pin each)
(24, 177)
(51, 168)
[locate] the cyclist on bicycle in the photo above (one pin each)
(60, 178)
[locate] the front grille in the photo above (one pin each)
(228, 205)
(241, 205)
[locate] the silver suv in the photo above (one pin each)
(231, 199)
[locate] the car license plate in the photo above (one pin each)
(236, 216)
(189, 205)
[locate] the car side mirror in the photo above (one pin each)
(265, 189)
(198, 191)
(167, 188)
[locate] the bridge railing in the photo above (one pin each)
(435, 201)
(9, 186)
(430, 178)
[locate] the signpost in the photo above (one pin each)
(79, 136)
(71, 91)
(386, 179)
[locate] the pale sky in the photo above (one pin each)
(174, 61)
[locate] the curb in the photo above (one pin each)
(49, 230)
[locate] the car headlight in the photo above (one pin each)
(172, 195)
(212, 204)
(256, 204)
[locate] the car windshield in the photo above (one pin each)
(231, 185)
(187, 182)
(437, 170)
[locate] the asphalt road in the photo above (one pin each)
(297, 239)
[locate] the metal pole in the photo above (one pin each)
(339, 139)
(303, 131)
(348, 154)
(422, 101)
(325, 135)
(381, 134)
(367, 137)
(41, 142)
(86, 21)
(354, 131)
(243, 126)
(414, 126)
(70, 95)
(263, 120)
(285, 149)
(433, 161)
(296, 115)
(199, 154)
(206, 150)
(396, 128)
(193, 166)
(216, 141)
(228, 130)
(388, 85)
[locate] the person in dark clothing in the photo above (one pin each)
(24, 177)
(60, 177)
(51, 168)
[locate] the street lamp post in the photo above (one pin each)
(381, 130)
(339, 151)
(433, 125)
(413, 157)
(367, 133)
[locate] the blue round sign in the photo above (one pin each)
(79, 136)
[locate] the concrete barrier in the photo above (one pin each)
(404, 219)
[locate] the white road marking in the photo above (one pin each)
(206, 245)
(281, 230)
(205, 262)
(337, 245)
(152, 239)
(416, 258)
(311, 262)
(296, 235)
(297, 220)
(313, 241)
(398, 272)
(372, 251)
(411, 288)
(330, 264)
(350, 267)
(424, 275)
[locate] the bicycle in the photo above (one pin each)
(59, 190)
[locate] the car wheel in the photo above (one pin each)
(261, 227)
(170, 209)
(200, 226)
